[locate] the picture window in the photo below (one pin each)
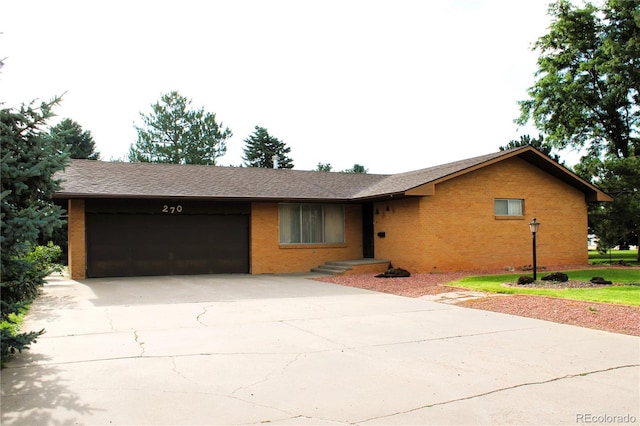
(311, 223)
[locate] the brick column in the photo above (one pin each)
(77, 240)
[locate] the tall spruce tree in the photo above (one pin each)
(80, 142)
(80, 145)
(30, 158)
(261, 148)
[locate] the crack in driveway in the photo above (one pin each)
(204, 311)
(140, 343)
(270, 374)
(108, 315)
(314, 334)
(507, 388)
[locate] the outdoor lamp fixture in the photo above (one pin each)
(534, 226)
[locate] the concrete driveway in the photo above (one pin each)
(283, 350)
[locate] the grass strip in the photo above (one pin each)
(628, 293)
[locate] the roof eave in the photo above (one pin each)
(598, 197)
(70, 195)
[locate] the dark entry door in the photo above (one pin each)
(136, 245)
(367, 231)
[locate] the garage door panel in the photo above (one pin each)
(136, 245)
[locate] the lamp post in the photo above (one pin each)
(534, 226)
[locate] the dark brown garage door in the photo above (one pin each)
(136, 245)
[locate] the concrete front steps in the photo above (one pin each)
(356, 266)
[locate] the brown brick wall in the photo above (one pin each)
(456, 228)
(399, 220)
(375, 268)
(268, 256)
(77, 240)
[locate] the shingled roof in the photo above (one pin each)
(97, 179)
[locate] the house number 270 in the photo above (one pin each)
(172, 209)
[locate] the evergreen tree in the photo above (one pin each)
(617, 223)
(80, 145)
(324, 167)
(261, 148)
(30, 158)
(175, 133)
(80, 142)
(357, 168)
(538, 143)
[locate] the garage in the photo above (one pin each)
(166, 237)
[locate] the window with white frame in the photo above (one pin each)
(311, 223)
(508, 207)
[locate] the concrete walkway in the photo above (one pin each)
(284, 350)
(454, 297)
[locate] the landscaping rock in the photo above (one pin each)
(600, 280)
(556, 277)
(523, 280)
(394, 273)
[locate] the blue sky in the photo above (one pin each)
(392, 85)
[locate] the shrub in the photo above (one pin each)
(556, 277)
(525, 279)
(11, 340)
(45, 259)
(29, 272)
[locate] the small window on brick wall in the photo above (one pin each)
(508, 207)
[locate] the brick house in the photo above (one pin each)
(128, 219)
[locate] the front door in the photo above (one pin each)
(367, 231)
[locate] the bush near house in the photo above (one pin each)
(41, 261)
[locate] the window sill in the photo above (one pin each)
(313, 246)
(509, 217)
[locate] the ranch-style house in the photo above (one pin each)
(134, 219)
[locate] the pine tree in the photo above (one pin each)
(324, 167)
(80, 142)
(357, 169)
(261, 148)
(539, 144)
(30, 158)
(175, 133)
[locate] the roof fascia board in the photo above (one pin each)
(598, 196)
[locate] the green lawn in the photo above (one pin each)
(626, 294)
(613, 256)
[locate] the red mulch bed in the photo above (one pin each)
(601, 316)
